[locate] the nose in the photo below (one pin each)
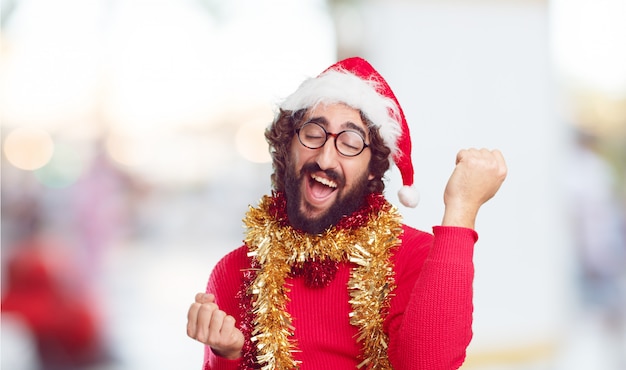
(327, 157)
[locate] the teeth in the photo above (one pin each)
(324, 181)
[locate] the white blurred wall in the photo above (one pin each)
(478, 74)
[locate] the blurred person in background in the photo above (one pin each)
(102, 204)
(44, 292)
(329, 276)
(598, 223)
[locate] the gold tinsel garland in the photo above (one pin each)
(277, 247)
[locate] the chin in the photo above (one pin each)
(306, 217)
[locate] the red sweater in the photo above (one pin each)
(429, 321)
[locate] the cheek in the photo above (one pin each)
(361, 169)
(294, 155)
(298, 154)
(356, 173)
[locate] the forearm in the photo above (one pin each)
(460, 216)
(215, 362)
(436, 325)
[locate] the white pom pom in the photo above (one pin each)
(409, 196)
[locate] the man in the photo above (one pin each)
(329, 277)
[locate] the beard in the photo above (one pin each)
(345, 204)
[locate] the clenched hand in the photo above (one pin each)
(476, 179)
(208, 324)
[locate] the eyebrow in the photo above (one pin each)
(346, 125)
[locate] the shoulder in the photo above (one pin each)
(228, 271)
(238, 255)
(412, 238)
(412, 250)
(453, 244)
(234, 261)
(414, 241)
(411, 235)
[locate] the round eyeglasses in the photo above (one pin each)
(349, 143)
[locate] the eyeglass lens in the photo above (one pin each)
(314, 136)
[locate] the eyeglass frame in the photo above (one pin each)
(334, 135)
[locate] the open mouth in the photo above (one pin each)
(324, 181)
(320, 188)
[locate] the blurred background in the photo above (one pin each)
(132, 145)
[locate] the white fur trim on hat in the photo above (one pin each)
(336, 86)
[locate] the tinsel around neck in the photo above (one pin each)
(365, 239)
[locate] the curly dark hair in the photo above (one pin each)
(279, 136)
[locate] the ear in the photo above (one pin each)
(370, 177)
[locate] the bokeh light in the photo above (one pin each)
(28, 148)
(129, 150)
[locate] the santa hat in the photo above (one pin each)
(356, 83)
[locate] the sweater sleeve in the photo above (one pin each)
(430, 318)
(225, 282)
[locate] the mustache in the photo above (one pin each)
(312, 167)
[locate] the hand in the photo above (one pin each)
(208, 324)
(476, 179)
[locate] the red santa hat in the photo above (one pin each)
(356, 83)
